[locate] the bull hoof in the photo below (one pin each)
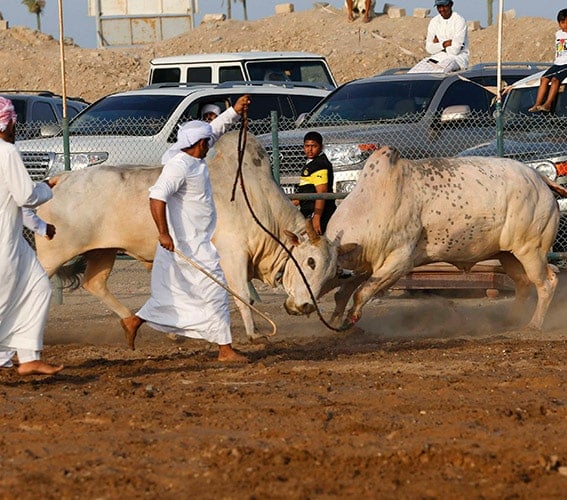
(348, 323)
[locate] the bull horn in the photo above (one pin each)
(313, 236)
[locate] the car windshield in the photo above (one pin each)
(136, 115)
(399, 100)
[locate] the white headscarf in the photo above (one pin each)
(210, 108)
(188, 135)
(7, 113)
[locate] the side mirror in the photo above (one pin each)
(300, 119)
(457, 112)
(50, 130)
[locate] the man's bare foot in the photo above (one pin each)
(366, 19)
(228, 355)
(38, 367)
(350, 18)
(130, 326)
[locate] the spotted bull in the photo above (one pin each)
(403, 214)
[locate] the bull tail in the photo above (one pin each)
(70, 273)
(560, 190)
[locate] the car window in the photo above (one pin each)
(230, 74)
(20, 106)
(295, 71)
(303, 104)
(375, 101)
(202, 74)
(42, 112)
(164, 75)
(461, 92)
(126, 115)
(72, 110)
(194, 110)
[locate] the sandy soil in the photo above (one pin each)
(432, 397)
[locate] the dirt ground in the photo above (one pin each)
(430, 398)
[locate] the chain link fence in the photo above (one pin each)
(539, 140)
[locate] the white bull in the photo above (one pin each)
(102, 210)
(403, 214)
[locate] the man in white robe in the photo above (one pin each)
(36, 224)
(183, 299)
(447, 42)
(25, 292)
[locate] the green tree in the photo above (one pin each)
(35, 7)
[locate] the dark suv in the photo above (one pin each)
(35, 109)
(422, 115)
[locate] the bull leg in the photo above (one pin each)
(396, 266)
(513, 268)
(343, 295)
(99, 266)
(542, 276)
(237, 279)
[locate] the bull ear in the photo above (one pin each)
(313, 236)
(294, 240)
(395, 156)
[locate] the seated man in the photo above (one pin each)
(447, 42)
(210, 112)
(365, 7)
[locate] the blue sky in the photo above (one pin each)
(81, 27)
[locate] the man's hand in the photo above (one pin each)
(51, 181)
(49, 231)
(166, 242)
(317, 223)
(242, 103)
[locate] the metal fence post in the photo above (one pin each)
(275, 146)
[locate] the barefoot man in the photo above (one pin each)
(25, 292)
(183, 299)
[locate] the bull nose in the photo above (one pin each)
(298, 310)
(307, 308)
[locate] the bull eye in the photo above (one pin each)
(311, 262)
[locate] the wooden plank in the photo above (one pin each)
(455, 280)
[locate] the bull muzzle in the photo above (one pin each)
(298, 310)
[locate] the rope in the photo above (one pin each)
(233, 293)
(239, 177)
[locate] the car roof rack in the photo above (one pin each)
(274, 83)
(535, 66)
(394, 71)
(41, 93)
(240, 83)
(177, 85)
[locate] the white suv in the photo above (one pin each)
(136, 127)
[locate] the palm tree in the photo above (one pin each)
(35, 7)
